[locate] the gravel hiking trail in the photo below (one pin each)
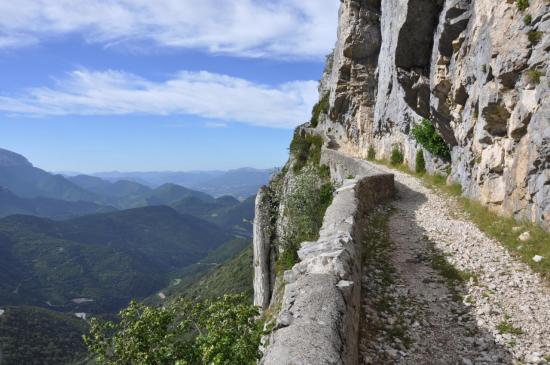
(437, 290)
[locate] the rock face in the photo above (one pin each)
(479, 70)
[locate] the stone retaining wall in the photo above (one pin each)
(319, 319)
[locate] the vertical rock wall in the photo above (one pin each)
(479, 70)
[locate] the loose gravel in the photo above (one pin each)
(437, 290)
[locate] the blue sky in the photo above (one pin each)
(96, 85)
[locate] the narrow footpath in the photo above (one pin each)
(436, 290)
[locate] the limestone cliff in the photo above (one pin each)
(477, 69)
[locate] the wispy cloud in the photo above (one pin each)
(250, 28)
(204, 94)
(215, 125)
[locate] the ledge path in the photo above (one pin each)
(414, 312)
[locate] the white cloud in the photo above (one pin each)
(203, 94)
(253, 28)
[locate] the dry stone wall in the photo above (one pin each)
(318, 320)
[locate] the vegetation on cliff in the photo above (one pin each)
(305, 149)
(426, 135)
(306, 201)
(321, 107)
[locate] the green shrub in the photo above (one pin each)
(527, 19)
(534, 37)
(397, 157)
(426, 135)
(221, 331)
(371, 153)
(420, 162)
(534, 76)
(321, 107)
(305, 148)
(522, 4)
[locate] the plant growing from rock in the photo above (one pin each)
(305, 148)
(527, 19)
(534, 76)
(321, 107)
(426, 135)
(522, 4)
(420, 162)
(329, 62)
(396, 157)
(371, 153)
(534, 37)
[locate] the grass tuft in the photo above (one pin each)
(534, 76)
(507, 327)
(534, 37)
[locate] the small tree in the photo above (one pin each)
(420, 162)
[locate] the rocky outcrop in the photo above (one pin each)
(318, 319)
(479, 70)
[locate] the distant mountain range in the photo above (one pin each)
(240, 183)
(26, 189)
(20, 177)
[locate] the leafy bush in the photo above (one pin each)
(527, 19)
(221, 331)
(534, 37)
(321, 107)
(426, 135)
(305, 148)
(420, 162)
(397, 157)
(522, 4)
(534, 76)
(371, 153)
